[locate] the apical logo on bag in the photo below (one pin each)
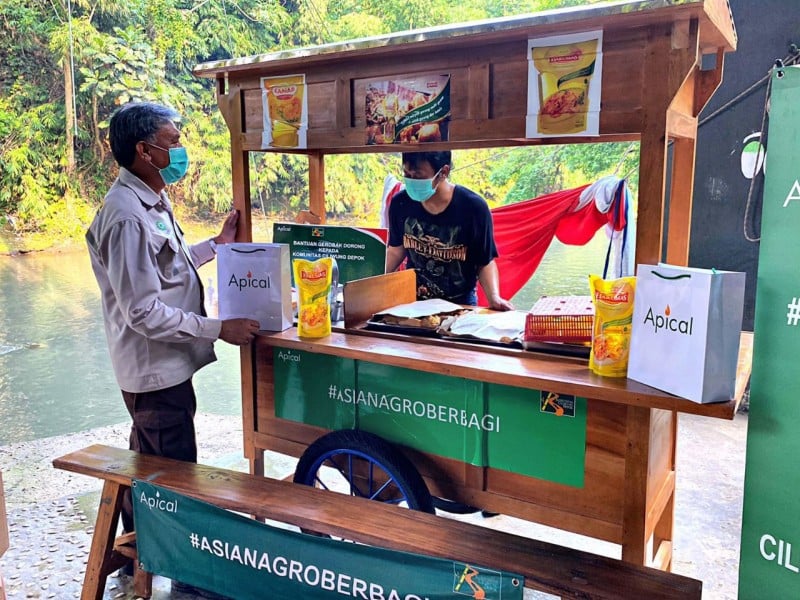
(249, 281)
(668, 322)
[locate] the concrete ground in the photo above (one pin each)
(51, 513)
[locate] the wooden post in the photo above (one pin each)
(634, 512)
(229, 99)
(680, 201)
(316, 184)
(102, 560)
(670, 68)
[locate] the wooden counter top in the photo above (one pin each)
(518, 368)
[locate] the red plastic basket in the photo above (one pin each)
(566, 319)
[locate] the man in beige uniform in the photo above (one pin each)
(157, 330)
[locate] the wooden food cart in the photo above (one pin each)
(662, 61)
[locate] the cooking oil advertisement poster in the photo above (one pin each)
(564, 84)
(285, 107)
(412, 110)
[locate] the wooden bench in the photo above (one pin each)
(547, 567)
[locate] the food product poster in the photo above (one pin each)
(408, 111)
(285, 106)
(564, 85)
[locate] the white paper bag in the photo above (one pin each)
(686, 328)
(254, 282)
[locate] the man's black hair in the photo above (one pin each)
(133, 123)
(436, 159)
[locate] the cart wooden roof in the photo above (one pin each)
(662, 61)
(713, 15)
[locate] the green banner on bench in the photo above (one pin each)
(197, 543)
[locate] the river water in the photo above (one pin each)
(55, 375)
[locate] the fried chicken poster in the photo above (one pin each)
(285, 108)
(408, 111)
(564, 85)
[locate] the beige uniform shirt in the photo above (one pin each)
(151, 293)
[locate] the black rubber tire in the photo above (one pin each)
(453, 507)
(354, 442)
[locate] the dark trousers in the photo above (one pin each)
(163, 425)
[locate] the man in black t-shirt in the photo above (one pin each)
(445, 231)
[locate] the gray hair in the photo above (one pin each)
(133, 123)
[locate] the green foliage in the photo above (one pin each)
(146, 49)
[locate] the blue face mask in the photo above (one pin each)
(420, 189)
(178, 164)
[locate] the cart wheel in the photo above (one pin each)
(452, 507)
(355, 462)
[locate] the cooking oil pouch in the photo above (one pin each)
(285, 110)
(313, 282)
(564, 74)
(613, 318)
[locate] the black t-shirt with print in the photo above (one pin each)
(447, 250)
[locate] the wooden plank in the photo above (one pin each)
(663, 556)
(316, 185)
(554, 569)
(102, 559)
(344, 102)
(680, 202)
(516, 368)
(365, 297)
(719, 23)
(231, 107)
(653, 151)
(707, 83)
(479, 91)
(662, 536)
(248, 375)
(634, 537)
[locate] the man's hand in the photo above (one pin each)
(228, 233)
(238, 332)
(498, 303)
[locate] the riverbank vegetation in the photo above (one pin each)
(66, 65)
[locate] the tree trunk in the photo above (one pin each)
(70, 115)
(98, 143)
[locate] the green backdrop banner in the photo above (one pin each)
(197, 543)
(536, 433)
(770, 552)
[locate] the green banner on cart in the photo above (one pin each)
(537, 433)
(770, 551)
(197, 543)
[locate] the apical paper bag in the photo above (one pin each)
(686, 328)
(254, 282)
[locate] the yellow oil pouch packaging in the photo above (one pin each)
(611, 331)
(313, 282)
